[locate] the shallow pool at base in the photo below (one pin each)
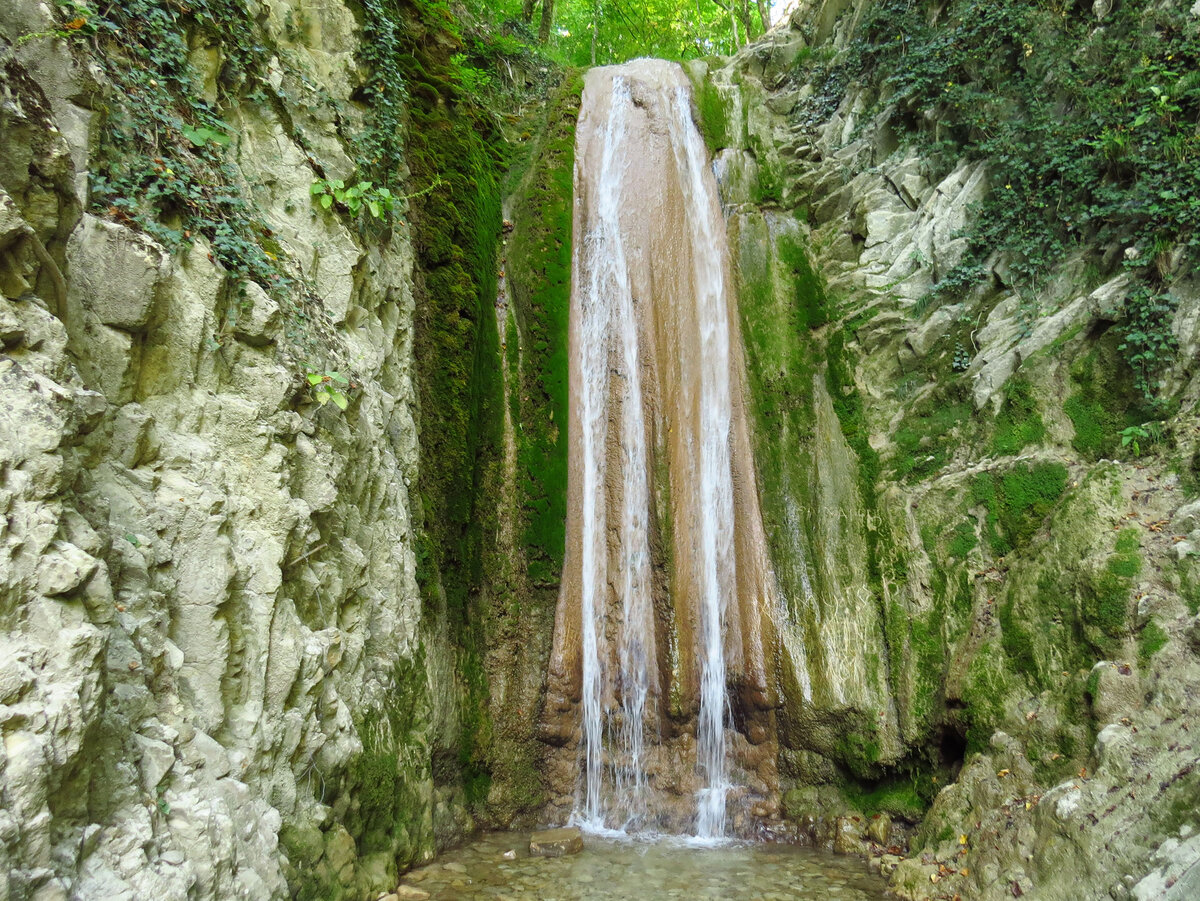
(626, 869)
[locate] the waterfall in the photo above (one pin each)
(609, 345)
(716, 476)
(665, 580)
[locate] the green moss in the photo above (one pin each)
(984, 694)
(539, 266)
(1019, 423)
(1017, 501)
(858, 747)
(896, 797)
(1154, 637)
(1106, 400)
(1016, 640)
(848, 405)
(452, 148)
(964, 541)
(714, 115)
(388, 811)
(1189, 587)
(1106, 595)
(928, 435)
(1128, 543)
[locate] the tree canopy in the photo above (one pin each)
(598, 32)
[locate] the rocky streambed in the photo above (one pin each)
(499, 865)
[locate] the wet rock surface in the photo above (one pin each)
(556, 842)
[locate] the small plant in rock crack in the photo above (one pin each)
(1132, 436)
(962, 359)
(329, 387)
(379, 202)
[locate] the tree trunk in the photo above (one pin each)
(595, 27)
(547, 20)
(764, 14)
(747, 20)
(527, 10)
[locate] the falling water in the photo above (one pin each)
(609, 346)
(716, 477)
(657, 444)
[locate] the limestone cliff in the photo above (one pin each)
(980, 503)
(218, 678)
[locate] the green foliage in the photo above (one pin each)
(1131, 436)
(473, 79)
(161, 157)
(1019, 423)
(962, 359)
(159, 162)
(380, 145)
(1089, 132)
(364, 195)
(623, 30)
(203, 135)
(1017, 501)
(329, 387)
(1149, 344)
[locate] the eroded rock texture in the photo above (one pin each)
(973, 590)
(215, 677)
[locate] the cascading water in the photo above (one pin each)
(716, 476)
(666, 581)
(609, 346)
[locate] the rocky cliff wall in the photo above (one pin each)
(982, 520)
(219, 678)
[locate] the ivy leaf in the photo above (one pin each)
(339, 400)
(326, 201)
(315, 378)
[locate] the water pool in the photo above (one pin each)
(609, 868)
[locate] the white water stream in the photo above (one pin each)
(609, 347)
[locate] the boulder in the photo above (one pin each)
(556, 842)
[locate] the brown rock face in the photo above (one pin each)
(666, 568)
